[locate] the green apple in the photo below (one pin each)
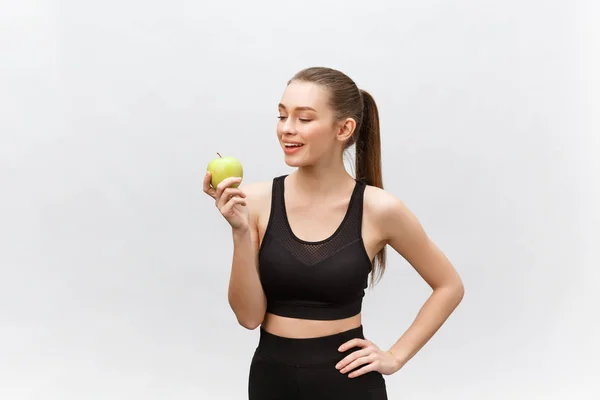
(224, 167)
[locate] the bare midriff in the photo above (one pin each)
(304, 328)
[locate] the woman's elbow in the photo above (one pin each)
(459, 291)
(249, 323)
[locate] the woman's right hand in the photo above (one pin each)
(230, 201)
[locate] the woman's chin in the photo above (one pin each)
(294, 162)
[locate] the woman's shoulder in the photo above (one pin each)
(258, 195)
(258, 198)
(379, 200)
(258, 188)
(385, 208)
(257, 192)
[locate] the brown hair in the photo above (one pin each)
(348, 101)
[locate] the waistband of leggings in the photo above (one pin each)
(306, 351)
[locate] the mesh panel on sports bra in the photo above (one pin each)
(311, 253)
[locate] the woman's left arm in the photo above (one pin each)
(404, 233)
(401, 230)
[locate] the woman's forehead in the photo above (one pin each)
(304, 96)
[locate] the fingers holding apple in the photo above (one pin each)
(225, 194)
(206, 186)
(217, 191)
(237, 218)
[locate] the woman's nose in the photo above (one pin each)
(289, 127)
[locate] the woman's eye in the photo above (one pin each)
(283, 117)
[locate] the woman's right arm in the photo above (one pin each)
(240, 209)
(246, 296)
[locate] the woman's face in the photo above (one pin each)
(307, 126)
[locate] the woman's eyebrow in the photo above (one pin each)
(304, 108)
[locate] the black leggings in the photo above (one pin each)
(304, 369)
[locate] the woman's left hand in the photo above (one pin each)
(375, 359)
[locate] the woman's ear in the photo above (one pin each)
(346, 129)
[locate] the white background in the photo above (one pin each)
(114, 265)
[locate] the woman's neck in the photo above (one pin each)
(321, 182)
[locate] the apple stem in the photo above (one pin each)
(220, 156)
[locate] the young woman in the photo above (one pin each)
(305, 244)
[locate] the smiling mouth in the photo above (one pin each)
(292, 145)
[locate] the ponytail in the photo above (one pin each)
(368, 144)
(368, 160)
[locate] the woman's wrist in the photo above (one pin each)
(240, 231)
(399, 360)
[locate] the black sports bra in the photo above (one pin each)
(322, 280)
